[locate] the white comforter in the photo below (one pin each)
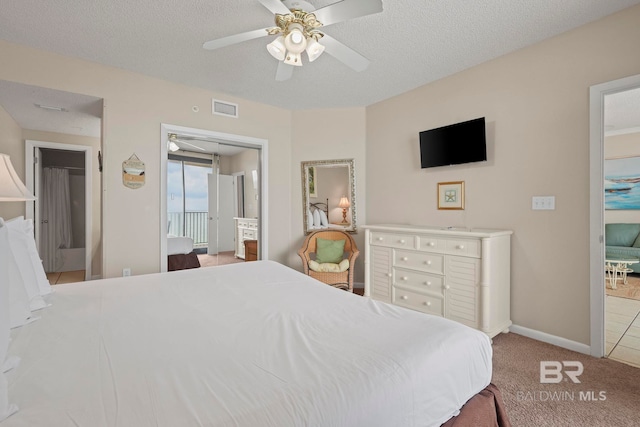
(253, 344)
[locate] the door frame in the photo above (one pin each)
(30, 212)
(596, 204)
(227, 139)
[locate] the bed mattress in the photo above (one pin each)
(179, 245)
(252, 344)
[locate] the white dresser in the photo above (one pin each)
(246, 229)
(463, 275)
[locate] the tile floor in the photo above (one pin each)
(622, 330)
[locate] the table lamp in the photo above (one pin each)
(344, 204)
(11, 187)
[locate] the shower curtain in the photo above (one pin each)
(56, 217)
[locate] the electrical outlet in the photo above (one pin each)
(126, 272)
(543, 203)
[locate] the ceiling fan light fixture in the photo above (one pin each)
(295, 41)
(293, 59)
(277, 48)
(314, 49)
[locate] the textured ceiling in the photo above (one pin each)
(409, 44)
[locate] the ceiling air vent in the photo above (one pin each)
(224, 108)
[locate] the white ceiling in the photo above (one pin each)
(409, 44)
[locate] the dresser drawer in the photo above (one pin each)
(430, 243)
(417, 301)
(433, 263)
(392, 240)
(249, 234)
(426, 281)
(464, 247)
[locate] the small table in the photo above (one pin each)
(614, 265)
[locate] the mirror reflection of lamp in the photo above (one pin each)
(344, 204)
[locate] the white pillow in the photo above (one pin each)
(19, 307)
(309, 218)
(323, 219)
(6, 408)
(316, 218)
(21, 230)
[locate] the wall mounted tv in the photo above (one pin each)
(455, 144)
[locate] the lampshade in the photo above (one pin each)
(314, 49)
(344, 202)
(173, 146)
(11, 187)
(293, 59)
(277, 48)
(295, 42)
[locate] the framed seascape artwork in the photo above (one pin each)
(451, 195)
(622, 183)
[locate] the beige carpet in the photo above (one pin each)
(631, 290)
(516, 372)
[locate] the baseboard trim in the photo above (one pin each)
(551, 339)
(96, 277)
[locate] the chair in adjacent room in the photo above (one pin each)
(330, 256)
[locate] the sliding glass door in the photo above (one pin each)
(188, 199)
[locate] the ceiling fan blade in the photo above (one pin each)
(344, 54)
(182, 141)
(284, 72)
(347, 9)
(237, 38)
(275, 6)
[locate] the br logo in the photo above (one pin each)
(551, 371)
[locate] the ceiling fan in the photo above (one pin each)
(297, 30)
(174, 140)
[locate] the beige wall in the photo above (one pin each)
(135, 106)
(536, 102)
(327, 135)
(627, 145)
(246, 161)
(11, 144)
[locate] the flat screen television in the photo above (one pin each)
(455, 144)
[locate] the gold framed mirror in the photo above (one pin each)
(329, 195)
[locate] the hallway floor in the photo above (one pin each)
(66, 277)
(623, 330)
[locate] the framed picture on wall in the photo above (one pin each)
(622, 183)
(451, 195)
(313, 182)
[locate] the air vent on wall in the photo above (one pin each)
(224, 108)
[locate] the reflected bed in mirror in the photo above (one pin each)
(329, 195)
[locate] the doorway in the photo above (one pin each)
(60, 176)
(229, 166)
(598, 93)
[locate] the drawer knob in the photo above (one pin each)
(427, 303)
(460, 247)
(404, 297)
(401, 241)
(404, 258)
(428, 283)
(389, 274)
(447, 287)
(431, 244)
(428, 262)
(405, 278)
(380, 239)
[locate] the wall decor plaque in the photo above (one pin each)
(133, 172)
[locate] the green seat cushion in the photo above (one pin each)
(621, 234)
(329, 250)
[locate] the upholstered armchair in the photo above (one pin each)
(338, 279)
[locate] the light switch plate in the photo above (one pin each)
(543, 203)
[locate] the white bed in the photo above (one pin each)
(252, 344)
(177, 245)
